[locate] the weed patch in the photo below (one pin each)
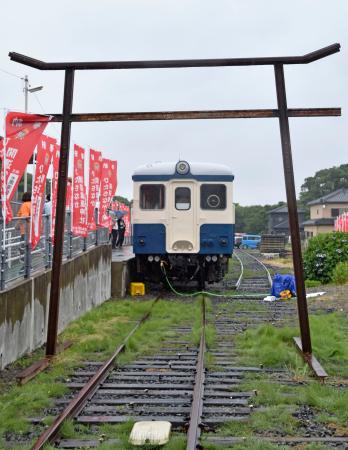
(330, 341)
(268, 345)
(96, 336)
(280, 402)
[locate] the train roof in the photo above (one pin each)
(162, 171)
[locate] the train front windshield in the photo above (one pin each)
(152, 196)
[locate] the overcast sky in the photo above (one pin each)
(68, 30)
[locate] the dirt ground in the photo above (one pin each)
(336, 296)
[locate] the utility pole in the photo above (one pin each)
(26, 90)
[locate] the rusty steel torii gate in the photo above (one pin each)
(282, 113)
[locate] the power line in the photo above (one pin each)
(56, 126)
(38, 100)
(11, 74)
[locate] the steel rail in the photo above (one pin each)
(241, 270)
(194, 429)
(262, 264)
(78, 402)
(197, 115)
(161, 64)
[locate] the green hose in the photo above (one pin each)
(194, 294)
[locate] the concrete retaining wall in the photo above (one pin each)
(85, 283)
(120, 277)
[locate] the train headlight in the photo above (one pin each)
(182, 167)
(214, 258)
(150, 258)
(208, 258)
(157, 258)
(213, 201)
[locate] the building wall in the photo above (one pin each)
(277, 218)
(85, 284)
(319, 211)
(315, 230)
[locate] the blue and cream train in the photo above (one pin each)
(183, 221)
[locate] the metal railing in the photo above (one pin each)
(18, 260)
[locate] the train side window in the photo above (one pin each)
(182, 198)
(152, 196)
(213, 196)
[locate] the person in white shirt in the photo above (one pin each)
(47, 209)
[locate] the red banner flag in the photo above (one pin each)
(54, 185)
(79, 226)
(23, 132)
(108, 187)
(95, 163)
(45, 151)
(6, 209)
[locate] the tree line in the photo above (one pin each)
(254, 219)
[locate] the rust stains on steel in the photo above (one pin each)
(191, 115)
(292, 208)
(220, 62)
(52, 328)
(194, 429)
(311, 360)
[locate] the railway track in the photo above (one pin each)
(165, 386)
(254, 275)
(172, 385)
(198, 387)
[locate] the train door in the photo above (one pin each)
(182, 232)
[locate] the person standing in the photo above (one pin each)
(121, 231)
(114, 232)
(24, 212)
(47, 209)
(47, 212)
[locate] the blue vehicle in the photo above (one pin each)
(250, 241)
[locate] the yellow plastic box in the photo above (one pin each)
(137, 289)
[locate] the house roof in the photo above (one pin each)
(283, 209)
(284, 225)
(338, 196)
(320, 222)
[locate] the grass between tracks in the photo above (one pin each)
(96, 335)
(120, 433)
(278, 403)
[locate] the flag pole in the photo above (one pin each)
(4, 184)
(33, 180)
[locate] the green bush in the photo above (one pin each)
(312, 283)
(324, 252)
(340, 273)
